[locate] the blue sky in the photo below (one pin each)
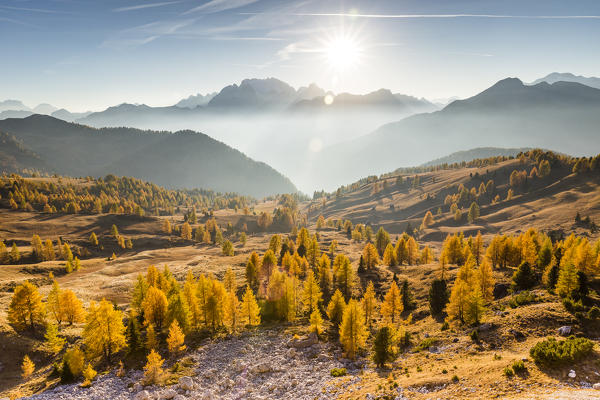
(89, 54)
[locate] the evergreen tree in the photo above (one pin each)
(336, 307)
(524, 277)
(353, 332)
(345, 277)
(133, 335)
(408, 302)
(392, 305)
(252, 271)
(551, 276)
(382, 346)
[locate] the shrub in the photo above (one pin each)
(336, 372)
(573, 306)
(444, 371)
(508, 372)
(551, 352)
(522, 299)
(445, 326)
(426, 343)
(519, 367)
(455, 379)
(475, 335)
(594, 313)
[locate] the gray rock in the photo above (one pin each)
(186, 383)
(564, 330)
(143, 395)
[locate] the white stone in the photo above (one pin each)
(186, 383)
(143, 395)
(572, 374)
(596, 386)
(168, 394)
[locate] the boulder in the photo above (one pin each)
(596, 386)
(572, 374)
(564, 330)
(310, 340)
(517, 334)
(186, 383)
(168, 394)
(143, 395)
(261, 368)
(485, 327)
(179, 397)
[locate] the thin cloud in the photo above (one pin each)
(249, 38)
(38, 10)
(214, 6)
(142, 6)
(418, 16)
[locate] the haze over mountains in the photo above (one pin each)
(183, 159)
(322, 140)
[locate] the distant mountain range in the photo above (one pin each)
(564, 116)
(568, 77)
(182, 159)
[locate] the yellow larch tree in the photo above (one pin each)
(369, 304)
(71, 309)
(311, 295)
(153, 372)
(353, 332)
(155, 307)
(26, 307)
(104, 331)
(392, 306)
(27, 367)
(250, 312)
(370, 256)
(232, 312)
(176, 339)
(389, 255)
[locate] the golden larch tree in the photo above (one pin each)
(104, 331)
(250, 312)
(176, 339)
(353, 332)
(26, 307)
(392, 306)
(155, 307)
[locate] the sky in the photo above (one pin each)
(91, 54)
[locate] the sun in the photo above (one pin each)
(342, 52)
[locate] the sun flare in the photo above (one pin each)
(342, 53)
